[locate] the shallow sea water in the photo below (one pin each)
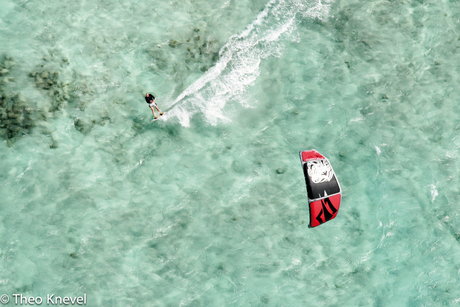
(207, 206)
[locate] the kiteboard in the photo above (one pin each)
(158, 117)
(323, 188)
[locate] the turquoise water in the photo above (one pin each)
(207, 206)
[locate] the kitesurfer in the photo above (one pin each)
(152, 104)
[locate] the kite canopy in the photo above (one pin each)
(323, 188)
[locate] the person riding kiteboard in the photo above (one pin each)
(150, 99)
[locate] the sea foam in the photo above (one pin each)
(239, 60)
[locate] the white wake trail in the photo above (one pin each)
(239, 60)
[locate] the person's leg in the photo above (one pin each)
(153, 111)
(156, 107)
